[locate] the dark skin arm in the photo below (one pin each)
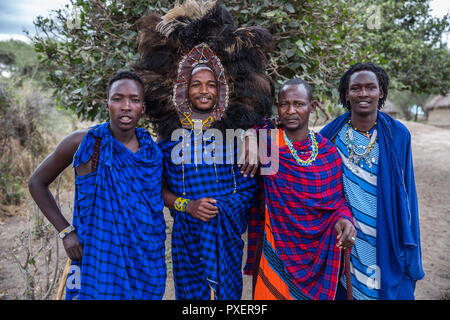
(44, 175)
(345, 230)
(202, 209)
(248, 160)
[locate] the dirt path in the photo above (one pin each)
(431, 154)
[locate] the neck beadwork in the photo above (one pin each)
(314, 149)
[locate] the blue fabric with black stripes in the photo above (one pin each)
(119, 220)
(207, 255)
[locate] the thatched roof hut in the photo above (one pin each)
(390, 109)
(438, 109)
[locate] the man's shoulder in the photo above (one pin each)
(265, 123)
(324, 140)
(73, 140)
(332, 128)
(399, 130)
(325, 143)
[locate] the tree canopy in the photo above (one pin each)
(82, 45)
(409, 45)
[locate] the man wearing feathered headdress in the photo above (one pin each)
(203, 76)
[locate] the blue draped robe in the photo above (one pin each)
(398, 237)
(208, 255)
(119, 221)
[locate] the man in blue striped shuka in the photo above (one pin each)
(379, 186)
(360, 186)
(117, 238)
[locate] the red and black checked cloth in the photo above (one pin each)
(304, 203)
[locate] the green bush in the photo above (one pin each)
(84, 44)
(31, 125)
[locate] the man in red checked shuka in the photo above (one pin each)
(307, 221)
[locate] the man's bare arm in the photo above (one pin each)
(44, 175)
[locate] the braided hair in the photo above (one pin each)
(382, 77)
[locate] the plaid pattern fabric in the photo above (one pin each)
(255, 226)
(304, 203)
(208, 255)
(119, 220)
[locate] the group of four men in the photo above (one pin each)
(351, 185)
(348, 188)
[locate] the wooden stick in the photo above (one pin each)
(212, 294)
(62, 284)
(348, 274)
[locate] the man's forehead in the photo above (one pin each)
(122, 85)
(294, 91)
(364, 76)
(203, 73)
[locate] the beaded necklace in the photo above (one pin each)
(314, 149)
(195, 161)
(353, 155)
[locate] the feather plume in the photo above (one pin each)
(191, 9)
(163, 41)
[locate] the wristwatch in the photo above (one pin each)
(66, 231)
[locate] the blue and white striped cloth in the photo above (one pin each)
(360, 187)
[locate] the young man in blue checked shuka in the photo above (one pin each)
(204, 77)
(116, 240)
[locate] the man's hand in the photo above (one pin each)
(202, 209)
(73, 247)
(248, 159)
(345, 233)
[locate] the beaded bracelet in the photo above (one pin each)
(180, 204)
(66, 231)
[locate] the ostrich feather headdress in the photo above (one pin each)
(237, 56)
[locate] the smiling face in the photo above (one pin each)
(294, 107)
(203, 90)
(363, 93)
(125, 104)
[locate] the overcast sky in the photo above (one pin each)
(18, 15)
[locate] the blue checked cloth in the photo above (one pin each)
(208, 255)
(119, 220)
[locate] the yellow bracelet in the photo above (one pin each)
(180, 204)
